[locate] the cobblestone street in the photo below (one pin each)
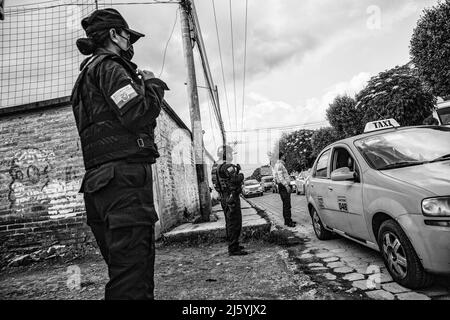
(341, 263)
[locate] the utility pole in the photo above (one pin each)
(207, 72)
(194, 109)
(224, 138)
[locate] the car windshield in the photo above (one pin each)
(250, 182)
(267, 179)
(408, 147)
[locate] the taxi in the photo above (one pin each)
(388, 189)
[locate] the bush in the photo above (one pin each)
(430, 48)
(344, 117)
(298, 149)
(397, 93)
(322, 138)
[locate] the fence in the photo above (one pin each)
(39, 59)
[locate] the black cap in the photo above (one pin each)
(108, 18)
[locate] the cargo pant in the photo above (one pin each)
(231, 205)
(120, 211)
(286, 199)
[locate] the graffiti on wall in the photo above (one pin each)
(36, 186)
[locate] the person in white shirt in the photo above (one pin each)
(283, 180)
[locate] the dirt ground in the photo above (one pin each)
(182, 271)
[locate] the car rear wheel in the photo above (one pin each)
(319, 229)
(400, 258)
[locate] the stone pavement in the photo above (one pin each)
(357, 268)
(253, 226)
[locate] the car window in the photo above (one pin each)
(322, 165)
(407, 147)
(250, 182)
(342, 159)
(444, 115)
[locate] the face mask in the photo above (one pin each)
(127, 53)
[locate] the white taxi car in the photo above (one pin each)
(388, 189)
(252, 187)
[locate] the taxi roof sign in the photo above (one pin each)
(380, 125)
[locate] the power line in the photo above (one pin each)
(221, 63)
(206, 69)
(35, 6)
(167, 44)
(234, 71)
(211, 122)
(245, 62)
(283, 127)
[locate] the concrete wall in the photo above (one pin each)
(41, 169)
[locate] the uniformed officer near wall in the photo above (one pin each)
(227, 180)
(115, 108)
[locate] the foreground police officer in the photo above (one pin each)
(228, 182)
(115, 110)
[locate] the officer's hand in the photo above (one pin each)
(288, 188)
(146, 75)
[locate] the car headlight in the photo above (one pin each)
(436, 207)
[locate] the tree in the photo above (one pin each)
(397, 93)
(430, 48)
(298, 149)
(321, 138)
(344, 117)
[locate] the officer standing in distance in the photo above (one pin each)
(228, 182)
(115, 108)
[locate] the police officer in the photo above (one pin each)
(283, 181)
(228, 182)
(115, 108)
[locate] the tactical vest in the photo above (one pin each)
(103, 138)
(220, 184)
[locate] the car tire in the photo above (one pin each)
(319, 229)
(394, 244)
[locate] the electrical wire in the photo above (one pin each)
(245, 63)
(283, 127)
(221, 63)
(167, 44)
(234, 70)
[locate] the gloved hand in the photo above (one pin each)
(145, 74)
(149, 77)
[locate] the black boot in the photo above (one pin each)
(291, 224)
(238, 252)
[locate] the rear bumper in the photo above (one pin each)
(432, 243)
(249, 193)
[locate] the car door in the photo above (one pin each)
(347, 203)
(318, 184)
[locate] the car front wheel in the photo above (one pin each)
(400, 258)
(319, 229)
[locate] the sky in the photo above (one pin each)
(300, 55)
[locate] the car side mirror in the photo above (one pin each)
(343, 174)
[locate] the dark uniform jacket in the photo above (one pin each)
(115, 110)
(226, 177)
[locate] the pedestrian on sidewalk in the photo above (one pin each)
(228, 180)
(283, 181)
(115, 108)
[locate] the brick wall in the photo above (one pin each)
(41, 169)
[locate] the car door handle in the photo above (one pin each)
(330, 188)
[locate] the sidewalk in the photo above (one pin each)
(253, 226)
